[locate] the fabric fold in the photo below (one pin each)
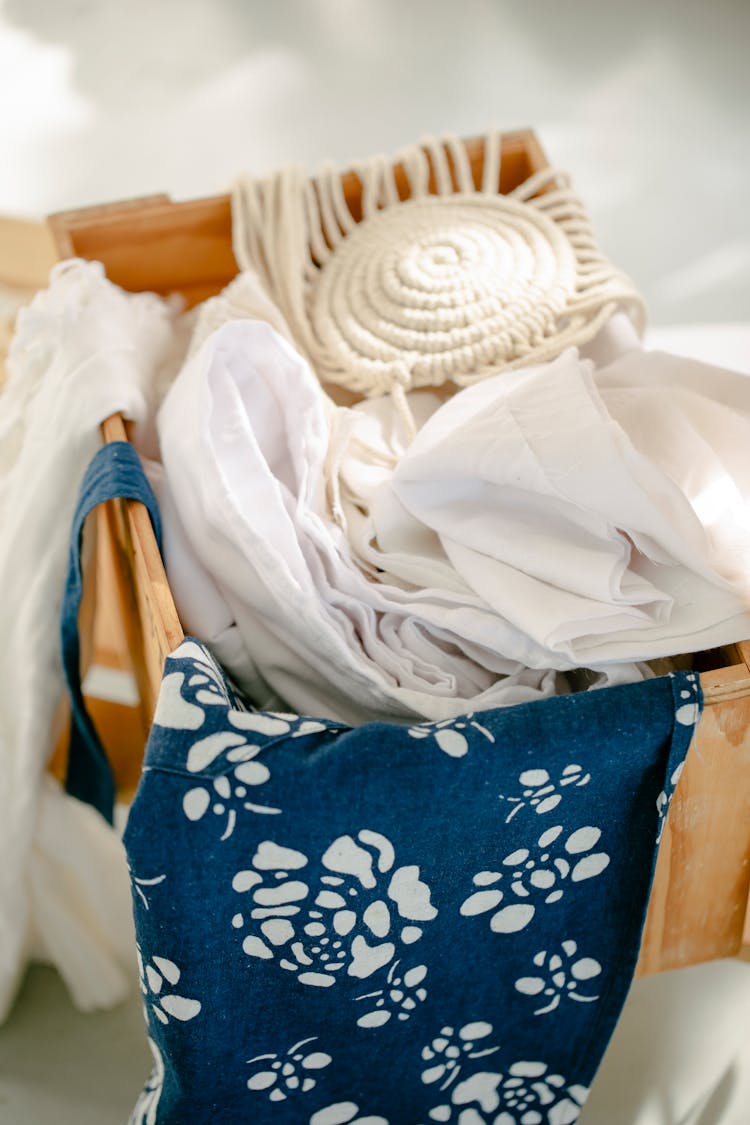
(245, 434)
(585, 513)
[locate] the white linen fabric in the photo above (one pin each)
(604, 513)
(552, 517)
(245, 433)
(82, 351)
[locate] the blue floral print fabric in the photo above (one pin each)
(392, 925)
(436, 923)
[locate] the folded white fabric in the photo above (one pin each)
(246, 445)
(82, 350)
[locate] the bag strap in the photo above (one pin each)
(114, 472)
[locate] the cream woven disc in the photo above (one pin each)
(441, 288)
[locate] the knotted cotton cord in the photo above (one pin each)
(452, 286)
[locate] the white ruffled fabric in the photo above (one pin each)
(82, 351)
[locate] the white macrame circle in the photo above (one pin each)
(441, 289)
(451, 285)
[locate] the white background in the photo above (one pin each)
(647, 104)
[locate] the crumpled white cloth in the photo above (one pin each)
(604, 513)
(82, 350)
(573, 514)
(245, 432)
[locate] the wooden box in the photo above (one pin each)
(699, 903)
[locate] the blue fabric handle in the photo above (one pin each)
(114, 472)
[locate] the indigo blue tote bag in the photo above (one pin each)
(388, 924)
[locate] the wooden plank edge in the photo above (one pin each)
(63, 224)
(161, 629)
(744, 950)
(178, 215)
(27, 254)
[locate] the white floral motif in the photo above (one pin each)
(540, 791)
(172, 709)
(348, 924)
(229, 788)
(220, 793)
(448, 1052)
(139, 884)
(153, 974)
(401, 991)
(147, 1106)
(664, 800)
(449, 734)
(233, 787)
(559, 977)
(202, 661)
(688, 713)
(528, 1094)
(344, 1113)
(281, 1078)
(536, 876)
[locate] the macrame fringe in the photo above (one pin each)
(450, 285)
